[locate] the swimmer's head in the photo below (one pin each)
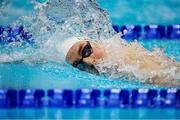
(82, 52)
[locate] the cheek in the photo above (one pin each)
(73, 58)
(99, 54)
(90, 60)
(93, 59)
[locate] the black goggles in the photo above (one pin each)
(86, 52)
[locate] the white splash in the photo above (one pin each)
(132, 60)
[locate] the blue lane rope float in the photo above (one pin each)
(90, 98)
(173, 32)
(60, 98)
(14, 34)
(87, 98)
(116, 98)
(8, 98)
(130, 32)
(145, 98)
(154, 32)
(30, 98)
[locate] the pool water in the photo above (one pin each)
(96, 113)
(122, 12)
(52, 75)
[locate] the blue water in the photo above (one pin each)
(52, 75)
(122, 12)
(96, 113)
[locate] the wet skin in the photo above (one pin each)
(85, 54)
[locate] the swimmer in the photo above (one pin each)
(129, 59)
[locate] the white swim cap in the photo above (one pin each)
(67, 44)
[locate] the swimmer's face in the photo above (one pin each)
(86, 52)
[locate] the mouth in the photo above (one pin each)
(86, 67)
